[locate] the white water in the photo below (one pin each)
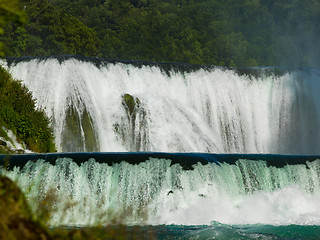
(13, 143)
(202, 111)
(153, 192)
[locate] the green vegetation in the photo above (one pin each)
(131, 105)
(18, 111)
(9, 12)
(48, 31)
(228, 32)
(19, 114)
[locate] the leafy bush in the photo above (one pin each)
(18, 113)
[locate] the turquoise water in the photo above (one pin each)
(218, 231)
(226, 232)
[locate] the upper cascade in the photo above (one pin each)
(115, 105)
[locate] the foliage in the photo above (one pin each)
(228, 32)
(18, 113)
(9, 12)
(49, 31)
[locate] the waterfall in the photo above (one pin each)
(158, 192)
(118, 106)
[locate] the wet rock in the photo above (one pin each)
(19, 151)
(3, 143)
(79, 134)
(132, 129)
(170, 192)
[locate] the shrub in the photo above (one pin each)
(18, 112)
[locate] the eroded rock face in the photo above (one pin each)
(16, 220)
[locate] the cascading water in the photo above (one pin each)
(99, 106)
(153, 192)
(135, 106)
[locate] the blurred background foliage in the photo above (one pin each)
(219, 32)
(10, 11)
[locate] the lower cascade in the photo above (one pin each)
(119, 106)
(159, 192)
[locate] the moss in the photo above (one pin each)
(89, 133)
(79, 134)
(4, 134)
(131, 104)
(4, 150)
(132, 129)
(71, 136)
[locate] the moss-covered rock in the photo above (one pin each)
(131, 104)
(79, 134)
(132, 129)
